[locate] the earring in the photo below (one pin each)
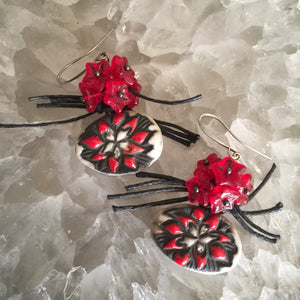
(198, 236)
(121, 141)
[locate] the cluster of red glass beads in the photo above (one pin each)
(109, 83)
(220, 183)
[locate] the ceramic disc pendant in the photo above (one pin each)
(195, 238)
(119, 144)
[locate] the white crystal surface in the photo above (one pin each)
(59, 238)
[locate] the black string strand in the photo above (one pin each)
(58, 98)
(150, 204)
(146, 192)
(197, 97)
(150, 183)
(159, 176)
(250, 230)
(258, 228)
(261, 185)
(193, 137)
(168, 124)
(277, 207)
(45, 123)
(175, 138)
(68, 105)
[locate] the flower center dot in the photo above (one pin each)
(120, 95)
(246, 192)
(126, 67)
(226, 203)
(203, 229)
(196, 189)
(97, 73)
(200, 248)
(228, 171)
(205, 162)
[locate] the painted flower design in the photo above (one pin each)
(118, 143)
(195, 238)
(109, 84)
(219, 183)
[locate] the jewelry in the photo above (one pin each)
(199, 237)
(122, 141)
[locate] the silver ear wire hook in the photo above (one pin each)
(231, 152)
(99, 57)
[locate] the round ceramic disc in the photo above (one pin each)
(195, 238)
(120, 143)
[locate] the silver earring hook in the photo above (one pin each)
(100, 57)
(231, 152)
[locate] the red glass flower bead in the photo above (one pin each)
(91, 96)
(223, 198)
(121, 70)
(220, 183)
(110, 84)
(96, 74)
(199, 190)
(228, 171)
(204, 166)
(117, 95)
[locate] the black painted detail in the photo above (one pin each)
(114, 141)
(197, 240)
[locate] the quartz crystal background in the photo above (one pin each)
(59, 238)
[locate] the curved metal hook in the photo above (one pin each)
(231, 152)
(101, 56)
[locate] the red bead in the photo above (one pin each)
(223, 198)
(204, 167)
(220, 183)
(109, 84)
(91, 96)
(121, 70)
(228, 171)
(199, 190)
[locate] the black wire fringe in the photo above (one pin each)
(159, 176)
(197, 97)
(277, 207)
(58, 98)
(146, 192)
(45, 123)
(150, 204)
(258, 228)
(150, 183)
(189, 133)
(250, 230)
(262, 184)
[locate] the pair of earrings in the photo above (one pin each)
(198, 236)
(122, 141)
